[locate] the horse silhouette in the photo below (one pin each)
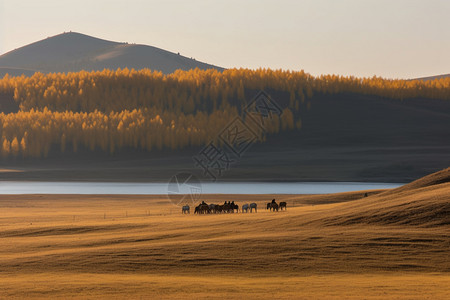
(202, 208)
(253, 206)
(234, 207)
(186, 209)
(272, 206)
(213, 208)
(226, 207)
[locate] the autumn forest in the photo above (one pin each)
(110, 111)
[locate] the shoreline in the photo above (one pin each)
(204, 189)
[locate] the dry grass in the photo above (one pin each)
(388, 245)
(151, 286)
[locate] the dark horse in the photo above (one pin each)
(272, 206)
(226, 207)
(283, 205)
(202, 208)
(234, 207)
(230, 207)
(213, 208)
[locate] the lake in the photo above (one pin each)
(37, 187)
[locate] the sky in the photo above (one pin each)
(388, 38)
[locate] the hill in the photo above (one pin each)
(71, 52)
(440, 177)
(433, 77)
(424, 202)
(15, 71)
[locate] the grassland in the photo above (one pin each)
(389, 245)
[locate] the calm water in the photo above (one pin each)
(31, 187)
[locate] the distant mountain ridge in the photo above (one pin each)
(72, 52)
(433, 77)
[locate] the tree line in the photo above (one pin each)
(114, 110)
(196, 90)
(34, 133)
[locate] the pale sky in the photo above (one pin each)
(389, 38)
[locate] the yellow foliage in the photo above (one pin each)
(112, 110)
(194, 90)
(15, 146)
(39, 131)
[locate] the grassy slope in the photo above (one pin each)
(137, 246)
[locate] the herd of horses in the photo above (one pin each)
(231, 207)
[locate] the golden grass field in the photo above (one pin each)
(390, 245)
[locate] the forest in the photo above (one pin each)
(111, 111)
